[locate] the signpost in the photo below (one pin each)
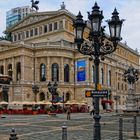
(96, 93)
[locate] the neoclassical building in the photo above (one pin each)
(42, 51)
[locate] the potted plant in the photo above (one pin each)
(1, 110)
(34, 110)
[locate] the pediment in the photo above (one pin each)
(32, 18)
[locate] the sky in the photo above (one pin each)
(128, 9)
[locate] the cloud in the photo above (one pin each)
(131, 28)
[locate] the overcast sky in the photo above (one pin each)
(128, 9)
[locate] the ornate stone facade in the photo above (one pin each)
(47, 38)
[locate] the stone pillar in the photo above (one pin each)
(48, 69)
(62, 70)
(22, 68)
(4, 67)
(130, 100)
(64, 23)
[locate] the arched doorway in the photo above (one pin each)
(68, 96)
(41, 96)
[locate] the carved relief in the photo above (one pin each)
(31, 20)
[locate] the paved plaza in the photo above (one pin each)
(80, 127)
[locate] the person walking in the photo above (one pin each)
(92, 111)
(68, 113)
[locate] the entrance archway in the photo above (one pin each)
(68, 96)
(42, 96)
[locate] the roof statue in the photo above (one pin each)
(35, 4)
(63, 5)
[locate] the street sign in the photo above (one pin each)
(99, 87)
(96, 93)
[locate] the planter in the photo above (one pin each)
(1, 111)
(35, 112)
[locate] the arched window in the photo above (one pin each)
(109, 78)
(55, 72)
(67, 96)
(5, 93)
(66, 73)
(93, 74)
(42, 96)
(10, 70)
(18, 71)
(118, 86)
(42, 72)
(102, 76)
(1, 70)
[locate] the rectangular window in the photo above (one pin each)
(36, 31)
(118, 86)
(45, 29)
(23, 35)
(15, 37)
(27, 34)
(31, 32)
(60, 24)
(40, 30)
(50, 27)
(55, 26)
(19, 36)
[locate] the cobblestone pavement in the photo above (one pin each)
(80, 127)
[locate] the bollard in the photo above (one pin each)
(135, 128)
(13, 135)
(64, 132)
(120, 128)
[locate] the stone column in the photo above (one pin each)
(4, 67)
(130, 100)
(62, 70)
(22, 68)
(48, 69)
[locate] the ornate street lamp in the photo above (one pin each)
(52, 87)
(131, 75)
(97, 47)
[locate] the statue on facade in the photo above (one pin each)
(35, 4)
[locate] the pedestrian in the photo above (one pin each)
(68, 113)
(92, 110)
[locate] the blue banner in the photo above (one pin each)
(81, 70)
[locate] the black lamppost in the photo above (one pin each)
(116, 98)
(52, 87)
(97, 47)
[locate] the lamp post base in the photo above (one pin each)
(97, 127)
(135, 137)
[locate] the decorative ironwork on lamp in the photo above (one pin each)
(96, 46)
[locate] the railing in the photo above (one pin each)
(61, 43)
